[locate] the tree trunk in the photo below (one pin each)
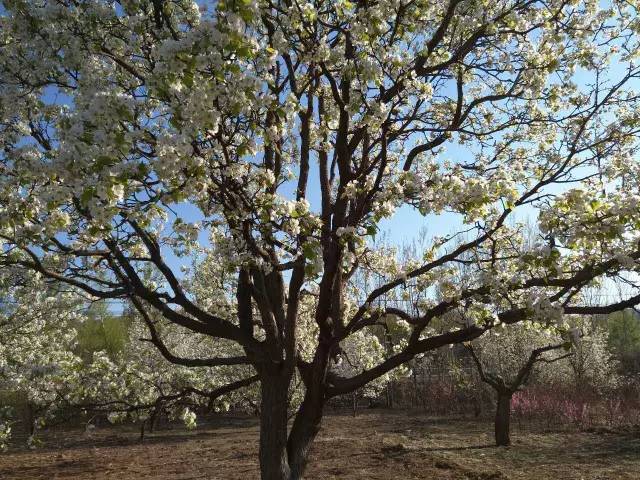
(142, 430)
(354, 403)
(303, 432)
(308, 419)
(503, 414)
(477, 406)
(273, 427)
(31, 420)
(155, 415)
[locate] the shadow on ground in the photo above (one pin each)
(376, 445)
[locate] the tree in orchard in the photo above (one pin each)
(506, 363)
(138, 384)
(593, 366)
(624, 340)
(280, 135)
(37, 362)
(44, 367)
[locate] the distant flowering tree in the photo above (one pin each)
(37, 360)
(290, 131)
(506, 364)
(139, 385)
(593, 365)
(43, 369)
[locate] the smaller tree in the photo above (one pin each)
(506, 366)
(624, 341)
(138, 384)
(38, 366)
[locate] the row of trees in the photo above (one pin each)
(60, 356)
(57, 358)
(288, 132)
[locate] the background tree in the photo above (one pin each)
(38, 366)
(279, 135)
(138, 384)
(506, 365)
(102, 330)
(624, 340)
(57, 358)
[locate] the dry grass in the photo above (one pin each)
(375, 445)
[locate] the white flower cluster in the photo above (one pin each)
(5, 435)
(189, 418)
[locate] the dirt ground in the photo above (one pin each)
(374, 445)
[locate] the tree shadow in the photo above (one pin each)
(114, 436)
(457, 449)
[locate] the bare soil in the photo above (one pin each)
(385, 445)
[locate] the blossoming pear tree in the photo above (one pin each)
(45, 371)
(139, 385)
(37, 362)
(593, 365)
(280, 134)
(506, 363)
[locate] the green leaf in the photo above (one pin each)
(87, 195)
(309, 252)
(187, 78)
(372, 230)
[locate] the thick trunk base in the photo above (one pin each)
(303, 432)
(274, 464)
(503, 417)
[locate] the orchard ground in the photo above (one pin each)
(374, 445)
